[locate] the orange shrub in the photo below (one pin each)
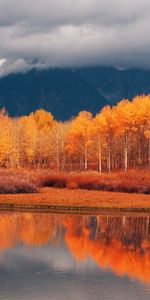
(13, 182)
(129, 182)
(133, 181)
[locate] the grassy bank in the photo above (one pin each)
(29, 181)
(64, 200)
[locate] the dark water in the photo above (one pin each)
(68, 257)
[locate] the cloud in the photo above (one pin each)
(62, 33)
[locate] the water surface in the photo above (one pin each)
(57, 256)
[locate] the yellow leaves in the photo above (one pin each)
(38, 139)
(35, 135)
(80, 132)
(6, 139)
(104, 122)
(28, 138)
(81, 124)
(141, 106)
(44, 120)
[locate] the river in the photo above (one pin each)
(74, 257)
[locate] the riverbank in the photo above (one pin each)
(75, 201)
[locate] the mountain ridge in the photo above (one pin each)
(66, 91)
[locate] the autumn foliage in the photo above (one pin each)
(116, 138)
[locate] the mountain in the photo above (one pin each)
(65, 92)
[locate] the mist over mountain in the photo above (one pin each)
(66, 91)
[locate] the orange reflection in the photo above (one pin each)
(31, 229)
(121, 244)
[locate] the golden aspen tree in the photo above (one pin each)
(28, 140)
(147, 135)
(79, 136)
(43, 119)
(99, 137)
(107, 126)
(142, 107)
(44, 122)
(117, 136)
(58, 141)
(124, 116)
(15, 153)
(7, 141)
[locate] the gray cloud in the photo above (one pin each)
(51, 33)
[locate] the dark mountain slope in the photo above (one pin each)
(65, 92)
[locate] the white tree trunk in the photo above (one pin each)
(99, 157)
(57, 154)
(85, 157)
(126, 152)
(109, 159)
(149, 152)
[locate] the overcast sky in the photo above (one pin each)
(56, 33)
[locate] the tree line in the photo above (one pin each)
(116, 138)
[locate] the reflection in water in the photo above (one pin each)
(121, 244)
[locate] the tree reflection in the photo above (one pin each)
(121, 244)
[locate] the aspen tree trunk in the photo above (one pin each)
(64, 161)
(99, 156)
(57, 155)
(149, 152)
(126, 152)
(109, 159)
(139, 153)
(85, 158)
(109, 156)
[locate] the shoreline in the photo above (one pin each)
(71, 209)
(76, 201)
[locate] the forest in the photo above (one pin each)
(117, 138)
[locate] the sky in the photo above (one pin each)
(73, 33)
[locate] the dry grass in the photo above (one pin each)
(79, 199)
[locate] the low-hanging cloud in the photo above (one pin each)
(68, 33)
